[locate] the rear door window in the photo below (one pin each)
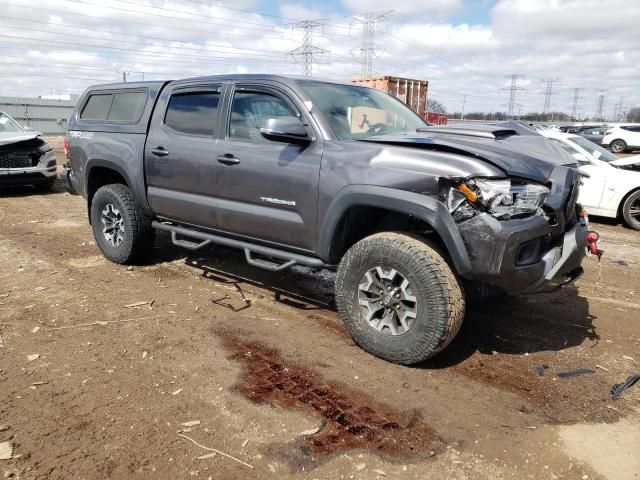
(127, 106)
(193, 113)
(97, 107)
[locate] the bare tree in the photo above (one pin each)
(434, 106)
(633, 115)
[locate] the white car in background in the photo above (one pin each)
(622, 138)
(612, 187)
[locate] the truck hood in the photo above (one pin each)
(530, 157)
(7, 138)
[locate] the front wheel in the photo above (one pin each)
(398, 297)
(631, 210)
(618, 146)
(122, 231)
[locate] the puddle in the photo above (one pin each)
(351, 419)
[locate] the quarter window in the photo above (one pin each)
(97, 107)
(250, 110)
(127, 106)
(193, 113)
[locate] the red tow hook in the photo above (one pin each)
(592, 240)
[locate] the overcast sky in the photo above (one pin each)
(462, 47)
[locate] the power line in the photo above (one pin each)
(368, 47)
(307, 51)
(112, 32)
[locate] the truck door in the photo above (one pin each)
(266, 189)
(180, 155)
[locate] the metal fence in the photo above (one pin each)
(46, 116)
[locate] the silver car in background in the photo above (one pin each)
(25, 157)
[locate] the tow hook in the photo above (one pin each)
(592, 240)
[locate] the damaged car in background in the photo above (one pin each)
(25, 158)
(324, 174)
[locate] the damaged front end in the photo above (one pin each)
(26, 159)
(522, 237)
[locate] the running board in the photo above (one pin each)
(203, 239)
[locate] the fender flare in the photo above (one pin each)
(423, 207)
(97, 162)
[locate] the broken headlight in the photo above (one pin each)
(505, 199)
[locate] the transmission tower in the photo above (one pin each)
(600, 107)
(513, 88)
(547, 94)
(306, 52)
(576, 99)
(368, 47)
(618, 111)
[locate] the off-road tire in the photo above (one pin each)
(439, 294)
(139, 235)
(633, 222)
(45, 186)
(618, 146)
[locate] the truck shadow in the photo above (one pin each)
(509, 325)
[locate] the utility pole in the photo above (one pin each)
(547, 94)
(307, 52)
(464, 102)
(576, 99)
(512, 89)
(367, 46)
(600, 107)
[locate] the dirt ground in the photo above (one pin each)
(256, 365)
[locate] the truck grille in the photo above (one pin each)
(15, 160)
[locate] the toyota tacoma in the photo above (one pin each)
(325, 174)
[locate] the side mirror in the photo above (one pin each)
(285, 129)
(27, 128)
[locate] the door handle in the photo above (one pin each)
(228, 159)
(159, 152)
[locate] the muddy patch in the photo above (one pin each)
(350, 419)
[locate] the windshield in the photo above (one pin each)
(593, 149)
(355, 112)
(7, 124)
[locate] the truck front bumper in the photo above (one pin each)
(521, 256)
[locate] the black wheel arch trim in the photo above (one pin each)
(423, 207)
(139, 196)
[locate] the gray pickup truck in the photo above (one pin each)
(324, 174)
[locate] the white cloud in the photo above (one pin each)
(420, 7)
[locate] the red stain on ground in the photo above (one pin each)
(353, 420)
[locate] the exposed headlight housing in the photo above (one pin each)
(505, 199)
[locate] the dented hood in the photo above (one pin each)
(530, 157)
(7, 138)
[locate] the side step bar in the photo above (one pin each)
(288, 258)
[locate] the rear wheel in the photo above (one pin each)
(631, 210)
(618, 146)
(398, 297)
(122, 231)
